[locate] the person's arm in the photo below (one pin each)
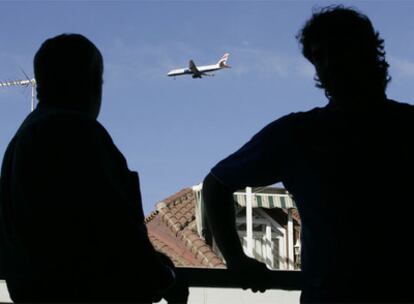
(257, 163)
(219, 206)
(139, 253)
(220, 211)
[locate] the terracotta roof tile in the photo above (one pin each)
(172, 230)
(203, 249)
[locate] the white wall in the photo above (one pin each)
(4, 294)
(217, 296)
(239, 296)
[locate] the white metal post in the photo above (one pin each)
(269, 246)
(249, 221)
(282, 251)
(198, 210)
(291, 257)
(33, 97)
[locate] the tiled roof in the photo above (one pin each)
(172, 230)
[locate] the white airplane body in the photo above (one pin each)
(198, 72)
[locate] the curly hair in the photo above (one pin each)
(341, 26)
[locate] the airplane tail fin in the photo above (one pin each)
(223, 61)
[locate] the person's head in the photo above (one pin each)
(68, 70)
(348, 54)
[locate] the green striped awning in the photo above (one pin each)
(263, 200)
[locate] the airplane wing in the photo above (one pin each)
(193, 68)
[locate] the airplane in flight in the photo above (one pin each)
(200, 71)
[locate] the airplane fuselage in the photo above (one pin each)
(201, 69)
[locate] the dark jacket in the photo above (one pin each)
(71, 218)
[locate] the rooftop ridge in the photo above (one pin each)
(175, 198)
(177, 212)
(150, 217)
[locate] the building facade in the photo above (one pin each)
(267, 222)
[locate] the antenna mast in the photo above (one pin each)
(22, 83)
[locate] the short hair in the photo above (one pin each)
(67, 66)
(339, 26)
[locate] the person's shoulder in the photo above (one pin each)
(294, 119)
(56, 127)
(57, 120)
(399, 111)
(400, 106)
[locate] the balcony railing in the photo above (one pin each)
(222, 278)
(219, 278)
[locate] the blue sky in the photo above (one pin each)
(173, 131)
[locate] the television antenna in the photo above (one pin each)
(28, 82)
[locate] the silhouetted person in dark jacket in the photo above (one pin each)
(72, 224)
(349, 166)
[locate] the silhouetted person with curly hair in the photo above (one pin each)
(349, 166)
(71, 218)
